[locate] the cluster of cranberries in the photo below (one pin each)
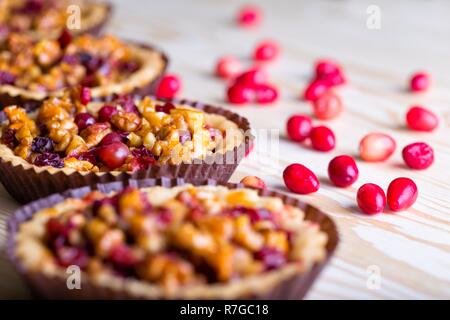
(300, 128)
(374, 147)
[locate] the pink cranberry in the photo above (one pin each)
(421, 119)
(371, 198)
(343, 171)
(322, 138)
(418, 155)
(228, 67)
(85, 95)
(299, 127)
(239, 94)
(106, 112)
(253, 182)
(266, 51)
(113, 155)
(249, 16)
(401, 194)
(419, 82)
(253, 77)
(111, 138)
(300, 179)
(84, 120)
(266, 93)
(375, 147)
(169, 86)
(328, 106)
(315, 89)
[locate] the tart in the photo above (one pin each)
(70, 142)
(183, 242)
(33, 70)
(47, 18)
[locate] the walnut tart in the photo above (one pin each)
(164, 239)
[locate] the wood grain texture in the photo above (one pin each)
(411, 248)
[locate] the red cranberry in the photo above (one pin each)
(334, 79)
(253, 77)
(266, 94)
(419, 82)
(421, 119)
(401, 194)
(418, 155)
(300, 179)
(65, 38)
(106, 112)
(329, 72)
(322, 138)
(68, 256)
(228, 67)
(122, 256)
(239, 94)
(253, 182)
(169, 86)
(343, 171)
(85, 95)
(113, 155)
(111, 138)
(326, 67)
(266, 51)
(166, 107)
(249, 16)
(371, 198)
(143, 158)
(376, 147)
(315, 89)
(271, 257)
(88, 156)
(84, 120)
(299, 127)
(328, 106)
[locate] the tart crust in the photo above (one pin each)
(289, 282)
(143, 82)
(27, 182)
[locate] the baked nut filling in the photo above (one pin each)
(125, 134)
(41, 18)
(51, 65)
(171, 237)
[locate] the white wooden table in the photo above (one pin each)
(411, 250)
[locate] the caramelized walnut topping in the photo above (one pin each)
(125, 135)
(125, 234)
(51, 65)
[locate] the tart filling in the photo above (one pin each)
(125, 134)
(175, 241)
(47, 18)
(37, 69)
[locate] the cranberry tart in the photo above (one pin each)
(47, 18)
(184, 242)
(31, 71)
(70, 142)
